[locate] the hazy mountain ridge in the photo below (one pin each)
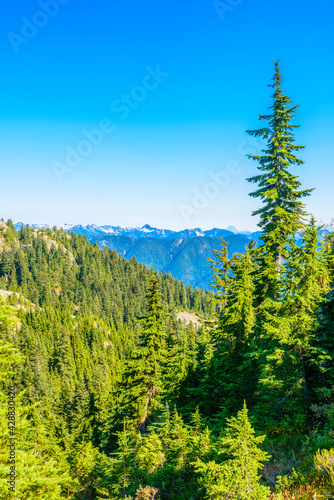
(185, 258)
(184, 253)
(146, 231)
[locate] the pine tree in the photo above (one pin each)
(201, 441)
(291, 348)
(142, 384)
(235, 367)
(83, 459)
(238, 322)
(222, 281)
(231, 374)
(179, 361)
(237, 478)
(150, 455)
(328, 241)
(307, 281)
(282, 212)
(116, 473)
(41, 470)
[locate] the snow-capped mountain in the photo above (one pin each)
(184, 253)
(93, 231)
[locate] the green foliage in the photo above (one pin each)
(237, 477)
(41, 471)
(222, 280)
(324, 462)
(142, 385)
(116, 398)
(291, 356)
(282, 211)
(74, 325)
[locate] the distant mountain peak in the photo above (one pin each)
(146, 231)
(232, 229)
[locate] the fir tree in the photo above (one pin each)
(307, 284)
(41, 470)
(116, 473)
(239, 319)
(283, 211)
(222, 281)
(291, 348)
(235, 366)
(237, 478)
(231, 374)
(142, 383)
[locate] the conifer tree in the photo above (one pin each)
(238, 322)
(142, 383)
(237, 478)
(307, 281)
(292, 348)
(235, 367)
(117, 472)
(329, 254)
(232, 373)
(201, 441)
(179, 361)
(282, 212)
(222, 281)
(40, 470)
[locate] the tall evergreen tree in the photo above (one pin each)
(283, 210)
(291, 352)
(222, 281)
(307, 284)
(237, 478)
(232, 374)
(238, 322)
(142, 383)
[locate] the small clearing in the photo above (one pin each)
(187, 318)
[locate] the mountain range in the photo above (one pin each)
(184, 253)
(92, 231)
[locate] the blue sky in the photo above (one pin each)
(166, 92)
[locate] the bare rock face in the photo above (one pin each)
(187, 318)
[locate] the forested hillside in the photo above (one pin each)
(184, 254)
(56, 269)
(74, 313)
(116, 398)
(186, 258)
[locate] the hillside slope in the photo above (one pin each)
(185, 258)
(184, 253)
(53, 267)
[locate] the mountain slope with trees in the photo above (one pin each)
(117, 399)
(184, 254)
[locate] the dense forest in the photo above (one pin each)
(117, 397)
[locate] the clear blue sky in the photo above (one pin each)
(191, 81)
